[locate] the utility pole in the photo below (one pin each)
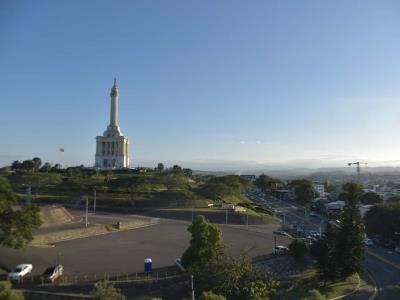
(274, 241)
(320, 227)
(192, 213)
(247, 221)
(94, 200)
(191, 281)
(86, 214)
(226, 217)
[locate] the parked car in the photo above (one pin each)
(280, 250)
(53, 272)
(368, 241)
(20, 271)
(282, 233)
(314, 234)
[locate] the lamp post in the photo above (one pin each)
(86, 213)
(320, 227)
(94, 200)
(191, 281)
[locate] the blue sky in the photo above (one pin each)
(216, 84)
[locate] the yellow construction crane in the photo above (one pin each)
(357, 163)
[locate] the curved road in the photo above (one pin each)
(383, 265)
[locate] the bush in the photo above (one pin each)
(298, 249)
(314, 295)
(6, 293)
(104, 290)
(211, 296)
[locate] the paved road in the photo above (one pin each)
(383, 265)
(124, 252)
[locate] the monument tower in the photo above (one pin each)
(112, 148)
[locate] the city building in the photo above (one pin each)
(112, 148)
(252, 178)
(319, 187)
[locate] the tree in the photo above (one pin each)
(340, 251)
(264, 182)
(104, 290)
(304, 190)
(7, 293)
(298, 249)
(28, 165)
(371, 198)
(160, 167)
(176, 169)
(329, 186)
(16, 165)
(211, 296)
(233, 277)
(46, 167)
(215, 271)
(323, 250)
(56, 168)
(37, 162)
(349, 241)
(205, 244)
(384, 220)
(187, 172)
(15, 224)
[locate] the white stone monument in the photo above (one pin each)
(112, 148)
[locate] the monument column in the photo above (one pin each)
(114, 105)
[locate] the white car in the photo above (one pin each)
(368, 242)
(314, 233)
(280, 250)
(20, 271)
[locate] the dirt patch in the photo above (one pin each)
(51, 238)
(54, 215)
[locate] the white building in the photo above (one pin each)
(112, 148)
(319, 187)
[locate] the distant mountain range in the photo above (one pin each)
(304, 172)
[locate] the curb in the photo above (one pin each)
(351, 293)
(376, 286)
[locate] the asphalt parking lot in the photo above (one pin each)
(124, 252)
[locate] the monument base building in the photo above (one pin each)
(112, 148)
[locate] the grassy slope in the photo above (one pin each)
(301, 284)
(153, 191)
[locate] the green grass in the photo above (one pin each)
(298, 286)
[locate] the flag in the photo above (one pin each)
(61, 149)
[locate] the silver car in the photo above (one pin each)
(53, 272)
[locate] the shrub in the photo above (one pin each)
(211, 296)
(314, 295)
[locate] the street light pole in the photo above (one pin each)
(86, 214)
(94, 200)
(320, 227)
(191, 281)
